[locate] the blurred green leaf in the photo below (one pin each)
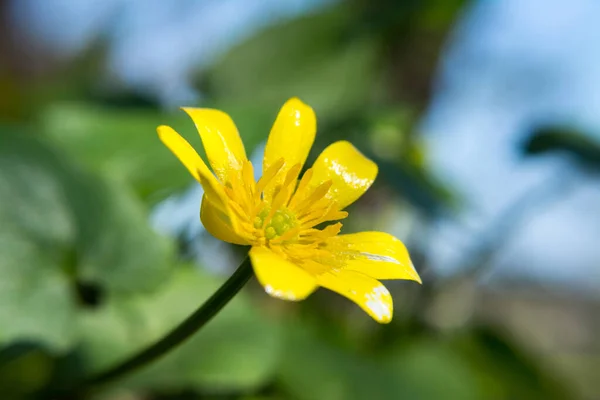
(386, 136)
(416, 185)
(314, 369)
(507, 369)
(238, 350)
(123, 144)
(584, 148)
(60, 226)
(310, 57)
(24, 369)
(478, 365)
(581, 368)
(36, 229)
(434, 370)
(115, 247)
(402, 159)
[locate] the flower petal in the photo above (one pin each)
(376, 254)
(182, 150)
(350, 171)
(365, 291)
(280, 277)
(221, 140)
(218, 223)
(192, 161)
(292, 135)
(214, 211)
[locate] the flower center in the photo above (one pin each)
(280, 222)
(279, 210)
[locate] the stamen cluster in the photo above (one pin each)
(280, 211)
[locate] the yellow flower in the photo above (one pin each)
(280, 214)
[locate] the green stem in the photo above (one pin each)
(182, 332)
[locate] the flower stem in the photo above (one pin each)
(185, 330)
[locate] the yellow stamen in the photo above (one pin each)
(317, 194)
(268, 175)
(301, 188)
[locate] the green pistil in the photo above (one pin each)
(259, 220)
(281, 222)
(270, 233)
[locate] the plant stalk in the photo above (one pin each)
(185, 330)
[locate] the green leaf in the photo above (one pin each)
(24, 369)
(313, 368)
(584, 148)
(36, 230)
(416, 185)
(311, 57)
(476, 365)
(115, 246)
(508, 369)
(59, 226)
(123, 144)
(434, 370)
(238, 350)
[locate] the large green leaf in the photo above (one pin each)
(123, 145)
(115, 246)
(36, 231)
(313, 58)
(238, 350)
(60, 227)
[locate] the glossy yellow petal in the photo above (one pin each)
(292, 135)
(365, 291)
(350, 171)
(218, 223)
(215, 195)
(216, 216)
(182, 150)
(376, 254)
(221, 140)
(280, 277)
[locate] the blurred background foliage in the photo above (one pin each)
(101, 250)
